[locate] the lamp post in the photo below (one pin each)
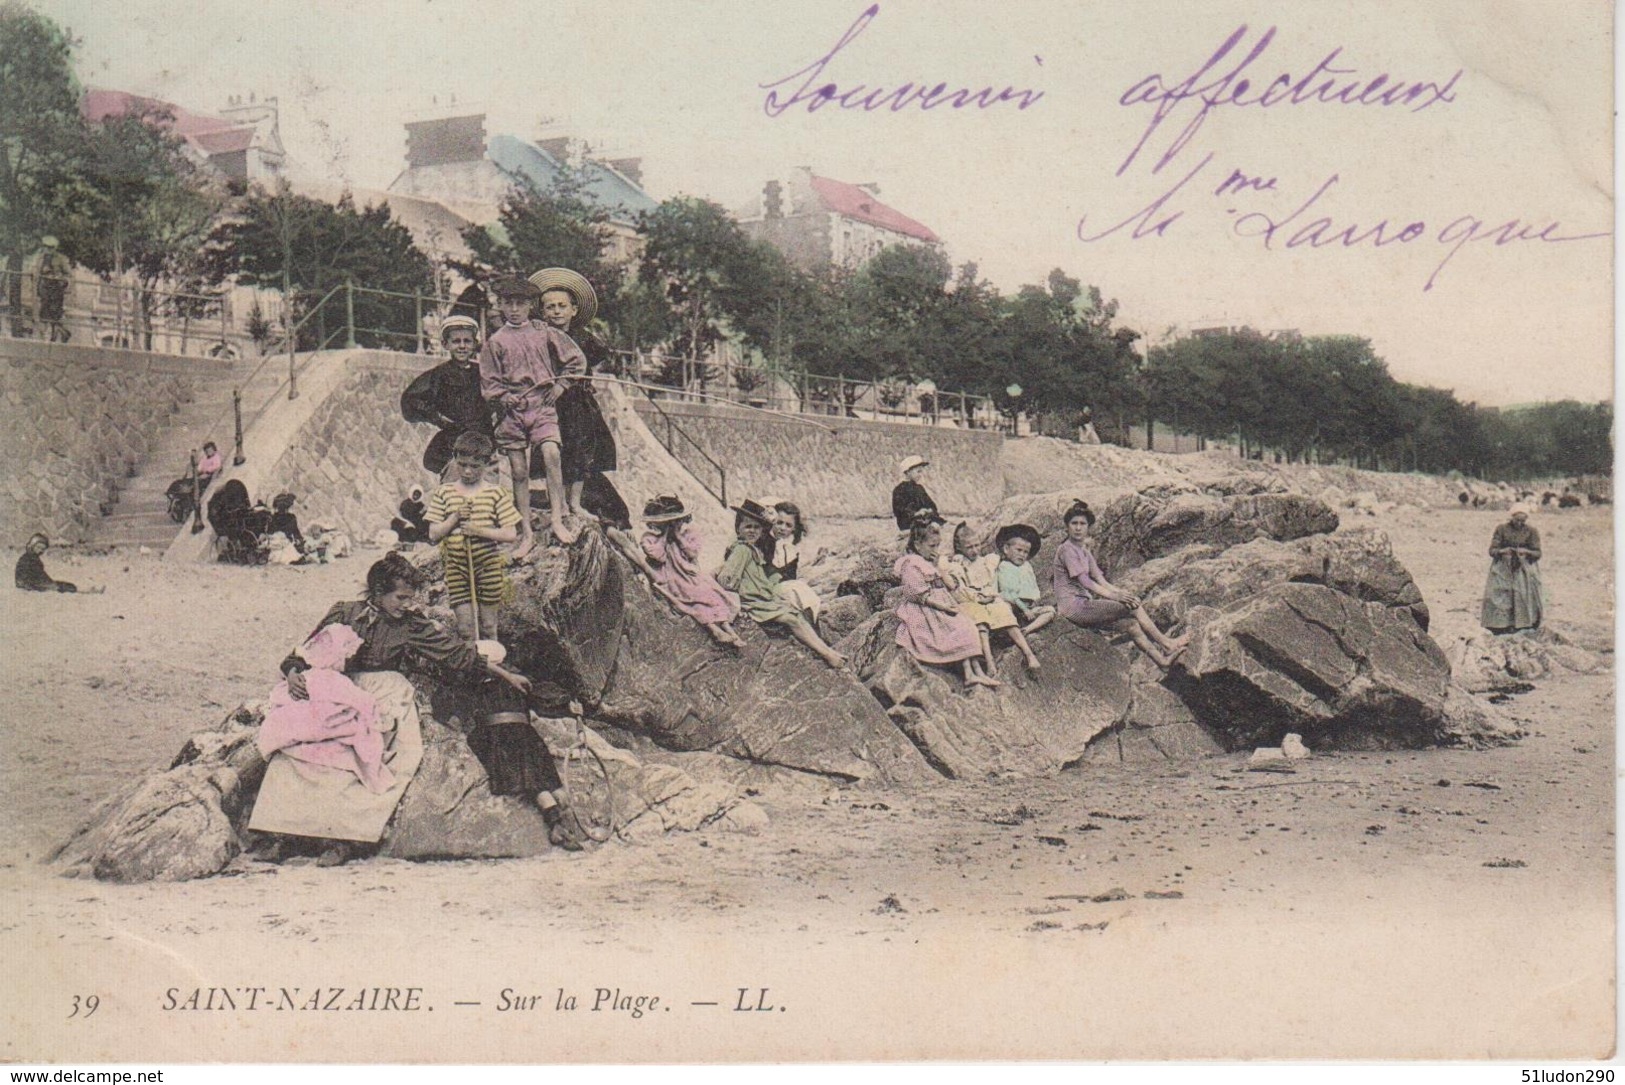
(928, 392)
(1014, 392)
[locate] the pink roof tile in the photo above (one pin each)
(212, 135)
(857, 203)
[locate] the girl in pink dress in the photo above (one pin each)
(929, 622)
(671, 549)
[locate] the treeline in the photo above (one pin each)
(1332, 399)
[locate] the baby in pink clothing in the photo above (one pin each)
(337, 725)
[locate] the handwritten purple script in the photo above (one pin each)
(815, 95)
(1306, 226)
(1324, 83)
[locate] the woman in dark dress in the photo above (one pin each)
(31, 574)
(334, 807)
(587, 448)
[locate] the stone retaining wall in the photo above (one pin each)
(74, 424)
(838, 466)
(355, 457)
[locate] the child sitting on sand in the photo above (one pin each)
(1017, 581)
(972, 577)
(742, 571)
(471, 518)
(671, 551)
(31, 575)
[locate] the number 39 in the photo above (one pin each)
(86, 1003)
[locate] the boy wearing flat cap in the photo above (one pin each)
(523, 367)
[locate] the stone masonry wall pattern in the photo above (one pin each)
(71, 434)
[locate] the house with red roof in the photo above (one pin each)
(821, 222)
(243, 143)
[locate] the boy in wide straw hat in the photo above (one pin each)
(523, 368)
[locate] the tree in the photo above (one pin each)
(146, 207)
(714, 279)
(42, 135)
(308, 248)
(536, 228)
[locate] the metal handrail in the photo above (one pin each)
(721, 493)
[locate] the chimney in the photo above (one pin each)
(630, 168)
(772, 200)
(445, 140)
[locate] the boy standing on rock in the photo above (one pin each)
(523, 368)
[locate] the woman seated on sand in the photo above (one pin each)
(31, 575)
(336, 806)
(1085, 597)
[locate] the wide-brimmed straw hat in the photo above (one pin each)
(1019, 531)
(663, 510)
(562, 278)
(754, 511)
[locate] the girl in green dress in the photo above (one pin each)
(744, 572)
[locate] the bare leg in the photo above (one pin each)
(465, 620)
(723, 635)
(1151, 630)
(556, 497)
(1041, 616)
(575, 489)
(807, 635)
(1147, 645)
(488, 623)
(975, 674)
(1026, 649)
(987, 645)
(519, 465)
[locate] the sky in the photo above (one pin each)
(1510, 122)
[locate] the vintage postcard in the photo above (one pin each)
(1088, 536)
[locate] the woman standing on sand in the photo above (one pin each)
(1513, 596)
(335, 806)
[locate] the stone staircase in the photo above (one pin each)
(141, 515)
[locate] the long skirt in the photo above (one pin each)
(516, 760)
(1093, 613)
(586, 446)
(1513, 597)
(934, 636)
(298, 799)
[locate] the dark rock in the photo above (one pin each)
(1031, 726)
(1309, 659)
(1139, 527)
(1360, 564)
(872, 573)
(774, 702)
(842, 615)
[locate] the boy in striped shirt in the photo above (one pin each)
(471, 518)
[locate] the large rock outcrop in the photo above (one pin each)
(1139, 527)
(191, 820)
(586, 621)
(1031, 726)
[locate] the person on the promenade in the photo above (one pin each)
(51, 287)
(448, 395)
(1084, 596)
(930, 625)
(1016, 578)
(1513, 596)
(335, 806)
(472, 519)
(909, 496)
(744, 572)
(522, 369)
(587, 447)
(972, 576)
(30, 574)
(671, 550)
